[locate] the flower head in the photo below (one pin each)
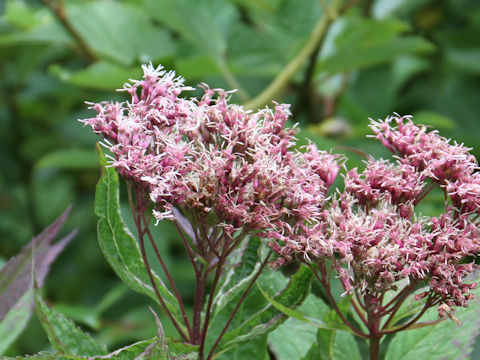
(212, 157)
(373, 233)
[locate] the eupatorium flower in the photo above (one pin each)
(374, 236)
(208, 156)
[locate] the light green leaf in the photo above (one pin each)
(203, 23)
(121, 32)
(118, 244)
(446, 340)
(298, 315)
(300, 334)
(255, 349)
(99, 75)
(19, 14)
(43, 29)
(69, 159)
(63, 334)
(333, 344)
(433, 119)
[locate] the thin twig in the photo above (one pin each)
(169, 277)
(59, 12)
(326, 286)
(428, 304)
(206, 321)
(187, 246)
(149, 271)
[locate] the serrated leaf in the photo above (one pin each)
(16, 280)
(63, 334)
(117, 243)
(41, 356)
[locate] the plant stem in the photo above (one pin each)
(326, 286)
(276, 86)
(136, 217)
(169, 277)
(59, 12)
(374, 347)
(218, 272)
(198, 304)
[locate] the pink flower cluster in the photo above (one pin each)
(374, 236)
(211, 157)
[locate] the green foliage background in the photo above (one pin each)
(419, 57)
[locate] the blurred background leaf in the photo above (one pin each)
(378, 57)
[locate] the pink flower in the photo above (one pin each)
(207, 156)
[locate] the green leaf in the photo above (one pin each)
(166, 349)
(91, 316)
(367, 42)
(41, 356)
(204, 24)
(20, 15)
(17, 277)
(333, 344)
(63, 334)
(118, 244)
(121, 32)
(236, 279)
(69, 159)
(445, 340)
(45, 29)
(100, 75)
(466, 59)
(268, 318)
(433, 119)
(300, 334)
(255, 349)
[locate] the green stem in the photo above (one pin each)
(282, 79)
